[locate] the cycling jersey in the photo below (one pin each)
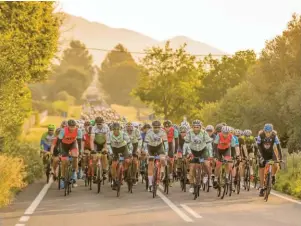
(224, 142)
(69, 137)
(100, 133)
(118, 141)
(46, 141)
(156, 139)
(249, 141)
(266, 145)
(197, 142)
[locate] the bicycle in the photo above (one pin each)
(237, 176)
(48, 167)
(156, 174)
(89, 170)
(183, 171)
(256, 173)
(131, 176)
(99, 171)
(247, 175)
(59, 173)
(268, 178)
(223, 182)
(166, 179)
(119, 171)
(198, 172)
(68, 183)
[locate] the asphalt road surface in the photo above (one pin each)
(43, 205)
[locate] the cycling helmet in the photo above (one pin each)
(64, 123)
(146, 126)
(268, 128)
(51, 127)
(226, 129)
(185, 123)
(129, 125)
(218, 128)
(71, 122)
(231, 129)
(247, 132)
(87, 123)
(99, 120)
(183, 129)
(116, 125)
(167, 123)
(209, 128)
(196, 122)
(156, 123)
(57, 131)
(175, 126)
(237, 132)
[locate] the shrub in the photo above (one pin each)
(11, 177)
(31, 159)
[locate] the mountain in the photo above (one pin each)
(100, 36)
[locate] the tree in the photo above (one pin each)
(75, 72)
(119, 75)
(225, 74)
(29, 34)
(168, 81)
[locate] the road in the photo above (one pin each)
(84, 207)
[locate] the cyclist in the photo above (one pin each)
(119, 143)
(46, 141)
(98, 143)
(172, 134)
(251, 148)
(55, 152)
(70, 139)
(201, 148)
(156, 144)
(182, 149)
(210, 130)
(87, 143)
(135, 137)
(268, 149)
(185, 123)
(223, 143)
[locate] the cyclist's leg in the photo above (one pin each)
(55, 162)
(261, 177)
(150, 167)
(192, 164)
(104, 161)
(74, 154)
(163, 162)
(135, 160)
(251, 157)
(228, 154)
(64, 158)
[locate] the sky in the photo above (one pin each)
(229, 25)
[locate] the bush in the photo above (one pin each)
(11, 177)
(31, 159)
(60, 106)
(42, 106)
(64, 96)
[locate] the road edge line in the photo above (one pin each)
(191, 211)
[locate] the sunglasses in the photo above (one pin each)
(196, 127)
(99, 124)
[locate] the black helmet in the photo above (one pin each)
(156, 123)
(87, 123)
(167, 123)
(99, 120)
(64, 123)
(218, 127)
(115, 125)
(71, 122)
(146, 126)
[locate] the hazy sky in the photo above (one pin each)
(229, 25)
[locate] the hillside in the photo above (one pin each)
(97, 35)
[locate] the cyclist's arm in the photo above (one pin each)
(92, 138)
(42, 142)
(208, 141)
(127, 139)
(79, 140)
(277, 142)
(109, 147)
(165, 141)
(235, 145)
(176, 134)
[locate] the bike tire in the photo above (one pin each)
(184, 176)
(154, 185)
(120, 172)
(129, 178)
(59, 177)
(166, 180)
(248, 180)
(230, 184)
(223, 184)
(268, 186)
(98, 179)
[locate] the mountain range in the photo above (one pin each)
(99, 36)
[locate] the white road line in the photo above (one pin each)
(286, 198)
(38, 199)
(24, 218)
(174, 207)
(191, 211)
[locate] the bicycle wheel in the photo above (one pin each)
(155, 178)
(59, 176)
(256, 177)
(146, 178)
(268, 186)
(129, 177)
(184, 173)
(166, 180)
(229, 184)
(237, 187)
(99, 173)
(119, 180)
(66, 182)
(223, 183)
(70, 184)
(247, 179)
(48, 170)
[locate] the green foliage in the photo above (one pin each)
(119, 75)
(31, 159)
(168, 81)
(29, 33)
(64, 96)
(75, 72)
(60, 106)
(224, 74)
